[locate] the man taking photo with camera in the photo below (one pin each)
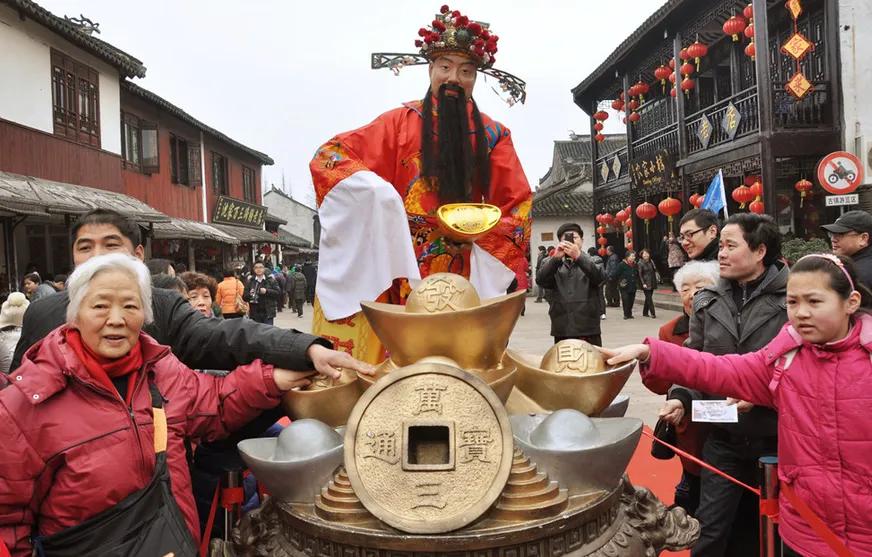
(574, 280)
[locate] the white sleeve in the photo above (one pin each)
(365, 244)
(488, 274)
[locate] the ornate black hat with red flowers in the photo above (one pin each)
(454, 33)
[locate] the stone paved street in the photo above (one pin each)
(531, 336)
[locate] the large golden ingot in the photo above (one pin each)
(500, 378)
(474, 337)
(585, 390)
(329, 401)
(467, 222)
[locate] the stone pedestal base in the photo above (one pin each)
(628, 522)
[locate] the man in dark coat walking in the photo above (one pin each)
(262, 294)
(849, 236)
(297, 290)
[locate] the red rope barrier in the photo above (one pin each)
(705, 465)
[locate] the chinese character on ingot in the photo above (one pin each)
(382, 446)
(440, 295)
(474, 445)
(571, 357)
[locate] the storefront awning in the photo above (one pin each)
(292, 240)
(182, 229)
(27, 195)
(247, 235)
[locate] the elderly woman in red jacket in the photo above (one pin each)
(94, 423)
(691, 278)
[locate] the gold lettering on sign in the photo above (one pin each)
(429, 399)
(429, 495)
(474, 445)
(440, 295)
(382, 446)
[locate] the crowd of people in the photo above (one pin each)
(748, 315)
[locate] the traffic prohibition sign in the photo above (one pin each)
(840, 172)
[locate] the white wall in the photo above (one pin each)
(25, 78)
(299, 217)
(856, 69)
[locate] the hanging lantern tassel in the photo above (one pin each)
(803, 187)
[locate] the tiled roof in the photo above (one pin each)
(184, 116)
(573, 156)
(127, 64)
(563, 200)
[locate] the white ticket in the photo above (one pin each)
(714, 411)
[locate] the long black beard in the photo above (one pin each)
(451, 161)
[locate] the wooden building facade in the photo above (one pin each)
(738, 117)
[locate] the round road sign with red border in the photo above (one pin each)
(840, 172)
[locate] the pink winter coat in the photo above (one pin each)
(824, 403)
(70, 448)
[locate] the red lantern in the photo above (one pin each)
(696, 51)
(602, 241)
(749, 180)
(600, 137)
(620, 216)
(646, 212)
(749, 31)
(634, 117)
(696, 199)
(633, 105)
(757, 190)
(662, 73)
(618, 104)
(601, 116)
(757, 207)
(607, 219)
(672, 64)
(684, 55)
(601, 230)
(687, 69)
(735, 26)
(266, 249)
(603, 252)
(630, 246)
(751, 51)
(642, 89)
(629, 234)
(686, 85)
(803, 187)
(673, 93)
(598, 126)
(669, 207)
(742, 195)
(748, 12)
(671, 78)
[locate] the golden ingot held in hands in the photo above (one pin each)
(441, 319)
(573, 374)
(467, 222)
(325, 399)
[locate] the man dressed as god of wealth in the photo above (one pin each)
(378, 189)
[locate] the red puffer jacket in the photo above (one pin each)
(70, 448)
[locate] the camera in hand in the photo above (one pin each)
(569, 237)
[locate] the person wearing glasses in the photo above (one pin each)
(698, 234)
(849, 236)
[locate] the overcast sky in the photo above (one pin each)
(284, 76)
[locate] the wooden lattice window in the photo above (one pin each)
(75, 97)
(248, 188)
(219, 174)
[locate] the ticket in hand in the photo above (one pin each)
(714, 411)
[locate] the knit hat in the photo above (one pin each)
(567, 227)
(12, 312)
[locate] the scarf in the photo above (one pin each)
(103, 370)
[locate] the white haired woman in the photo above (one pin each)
(688, 280)
(94, 423)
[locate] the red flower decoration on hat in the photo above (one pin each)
(453, 32)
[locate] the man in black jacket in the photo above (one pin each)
(199, 342)
(699, 234)
(741, 313)
(574, 281)
(263, 295)
(849, 236)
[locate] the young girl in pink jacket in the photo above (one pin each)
(818, 374)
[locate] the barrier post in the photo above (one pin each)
(232, 504)
(770, 541)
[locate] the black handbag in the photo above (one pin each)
(664, 431)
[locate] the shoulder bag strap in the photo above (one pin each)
(160, 418)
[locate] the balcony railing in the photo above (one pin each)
(664, 138)
(749, 121)
(813, 111)
(609, 160)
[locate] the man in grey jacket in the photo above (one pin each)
(743, 312)
(574, 281)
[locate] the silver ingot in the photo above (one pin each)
(583, 454)
(296, 464)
